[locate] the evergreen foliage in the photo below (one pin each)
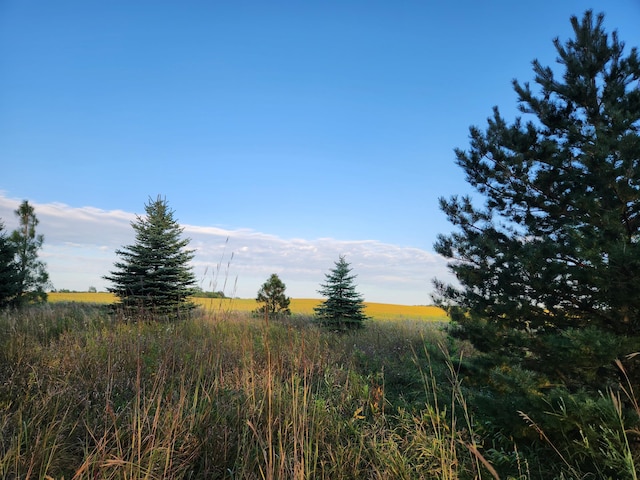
(549, 266)
(8, 270)
(153, 274)
(343, 308)
(273, 299)
(31, 272)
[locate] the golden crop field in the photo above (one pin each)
(302, 306)
(81, 297)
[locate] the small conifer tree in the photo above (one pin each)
(32, 275)
(273, 299)
(8, 271)
(154, 275)
(343, 308)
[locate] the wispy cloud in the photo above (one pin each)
(80, 244)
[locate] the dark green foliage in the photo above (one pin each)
(549, 265)
(554, 249)
(32, 276)
(8, 272)
(153, 275)
(343, 308)
(271, 296)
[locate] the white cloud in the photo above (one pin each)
(80, 246)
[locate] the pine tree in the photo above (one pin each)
(153, 275)
(32, 276)
(8, 271)
(343, 308)
(549, 266)
(273, 299)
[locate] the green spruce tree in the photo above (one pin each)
(271, 296)
(32, 276)
(343, 308)
(153, 275)
(9, 283)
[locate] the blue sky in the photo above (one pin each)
(297, 130)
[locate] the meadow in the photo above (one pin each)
(86, 394)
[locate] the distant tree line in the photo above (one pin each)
(200, 293)
(67, 290)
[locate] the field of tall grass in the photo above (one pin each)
(86, 396)
(222, 395)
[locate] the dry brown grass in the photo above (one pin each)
(85, 397)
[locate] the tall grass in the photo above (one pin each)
(83, 396)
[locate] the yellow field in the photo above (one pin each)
(100, 297)
(304, 306)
